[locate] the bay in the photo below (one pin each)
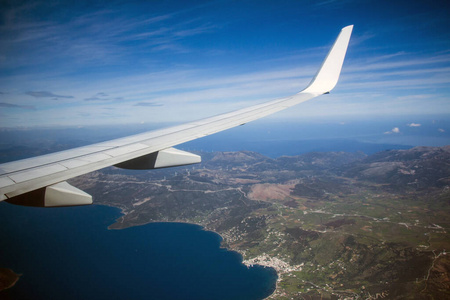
(68, 253)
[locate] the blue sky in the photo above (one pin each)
(109, 62)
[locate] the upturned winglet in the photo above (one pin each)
(328, 74)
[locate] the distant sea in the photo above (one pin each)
(68, 253)
(275, 139)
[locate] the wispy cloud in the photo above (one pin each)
(10, 105)
(44, 94)
(148, 104)
(441, 130)
(332, 3)
(414, 125)
(103, 97)
(99, 37)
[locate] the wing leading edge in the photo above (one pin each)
(40, 181)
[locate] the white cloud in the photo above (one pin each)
(441, 130)
(414, 125)
(394, 130)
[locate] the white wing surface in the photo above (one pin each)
(40, 181)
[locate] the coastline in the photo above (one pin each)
(280, 267)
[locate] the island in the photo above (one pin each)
(7, 278)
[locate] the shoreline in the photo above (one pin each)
(273, 263)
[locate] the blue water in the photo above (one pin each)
(68, 253)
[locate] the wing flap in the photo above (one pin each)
(6, 181)
(36, 172)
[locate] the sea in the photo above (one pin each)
(69, 253)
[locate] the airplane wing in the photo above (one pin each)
(40, 181)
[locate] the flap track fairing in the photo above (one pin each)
(166, 158)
